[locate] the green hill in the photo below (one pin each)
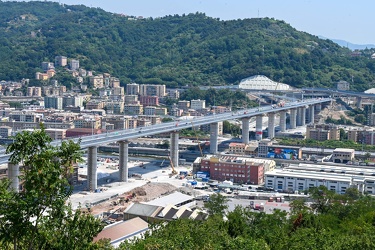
(175, 50)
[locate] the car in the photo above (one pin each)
(140, 131)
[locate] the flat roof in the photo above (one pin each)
(309, 175)
(120, 231)
(171, 199)
(142, 209)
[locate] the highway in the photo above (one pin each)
(120, 135)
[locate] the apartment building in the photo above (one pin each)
(197, 104)
(133, 109)
(184, 105)
(152, 90)
(322, 132)
(74, 64)
(149, 100)
(61, 61)
(55, 102)
(34, 91)
(132, 89)
(97, 82)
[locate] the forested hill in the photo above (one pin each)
(192, 49)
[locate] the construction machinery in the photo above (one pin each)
(174, 172)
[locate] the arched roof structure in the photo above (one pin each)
(260, 82)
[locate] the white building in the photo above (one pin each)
(197, 104)
(260, 82)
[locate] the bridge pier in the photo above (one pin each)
(92, 157)
(312, 114)
(282, 121)
(123, 160)
(245, 130)
(271, 125)
(214, 133)
(318, 107)
(259, 128)
(174, 148)
(293, 114)
(359, 102)
(299, 117)
(303, 116)
(13, 174)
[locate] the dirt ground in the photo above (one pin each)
(144, 193)
(335, 111)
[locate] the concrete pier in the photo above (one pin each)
(214, 133)
(92, 178)
(123, 160)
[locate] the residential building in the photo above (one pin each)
(197, 104)
(97, 82)
(160, 111)
(207, 128)
(75, 101)
(131, 99)
(56, 134)
(323, 132)
(149, 100)
(5, 131)
(47, 65)
(74, 64)
(237, 148)
(149, 110)
(115, 107)
(61, 61)
(152, 90)
(133, 109)
(184, 105)
(34, 91)
(132, 89)
(55, 102)
(173, 93)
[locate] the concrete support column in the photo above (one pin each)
(271, 125)
(282, 121)
(245, 130)
(359, 102)
(303, 116)
(293, 114)
(318, 107)
(299, 117)
(123, 160)
(92, 157)
(311, 114)
(13, 173)
(174, 148)
(259, 128)
(214, 133)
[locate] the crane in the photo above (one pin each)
(199, 144)
(174, 172)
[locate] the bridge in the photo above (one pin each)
(297, 111)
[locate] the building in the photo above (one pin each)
(173, 93)
(133, 109)
(152, 90)
(115, 107)
(237, 148)
(74, 64)
(207, 128)
(161, 111)
(56, 134)
(149, 100)
(220, 109)
(266, 149)
(322, 132)
(184, 105)
(236, 169)
(149, 110)
(47, 65)
(197, 104)
(34, 91)
(132, 89)
(5, 131)
(131, 99)
(61, 61)
(301, 177)
(97, 82)
(343, 155)
(123, 230)
(260, 82)
(55, 102)
(343, 85)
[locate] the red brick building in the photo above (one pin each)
(236, 169)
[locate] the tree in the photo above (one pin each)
(39, 217)
(216, 205)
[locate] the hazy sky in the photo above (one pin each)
(336, 19)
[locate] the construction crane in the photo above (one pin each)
(174, 172)
(199, 144)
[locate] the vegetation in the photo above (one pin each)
(39, 217)
(332, 221)
(186, 50)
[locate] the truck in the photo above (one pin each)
(259, 207)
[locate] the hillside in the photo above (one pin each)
(175, 50)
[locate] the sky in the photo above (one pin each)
(335, 19)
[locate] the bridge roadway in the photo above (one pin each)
(122, 135)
